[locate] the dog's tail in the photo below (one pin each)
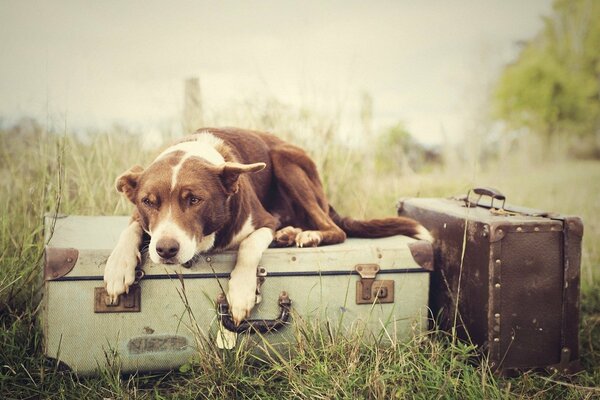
(378, 228)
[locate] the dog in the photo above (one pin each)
(225, 189)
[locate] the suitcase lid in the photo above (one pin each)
(484, 212)
(80, 246)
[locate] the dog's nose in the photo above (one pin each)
(167, 248)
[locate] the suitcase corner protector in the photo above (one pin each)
(574, 225)
(58, 262)
(422, 253)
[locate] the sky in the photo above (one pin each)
(427, 64)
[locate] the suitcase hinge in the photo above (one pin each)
(369, 290)
(261, 276)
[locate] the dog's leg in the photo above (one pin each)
(297, 176)
(242, 285)
(119, 272)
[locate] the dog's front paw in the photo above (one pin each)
(309, 239)
(119, 272)
(241, 296)
(286, 236)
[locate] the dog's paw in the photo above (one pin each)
(286, 236)
(119, 273)
(309, 239)
(241, 296)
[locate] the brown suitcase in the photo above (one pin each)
(514, 273)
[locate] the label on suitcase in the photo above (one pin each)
(506, 277)
(371, 285)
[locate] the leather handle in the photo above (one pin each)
(254, 325)
(494, 194)
(491, 192)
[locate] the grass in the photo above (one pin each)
(41, 172)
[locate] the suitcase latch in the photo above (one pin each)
(369, 290)
(127, 302)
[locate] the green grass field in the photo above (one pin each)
(42, 172)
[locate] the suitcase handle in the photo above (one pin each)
(495, 194)
(254, 325)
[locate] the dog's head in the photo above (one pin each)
(182, 202)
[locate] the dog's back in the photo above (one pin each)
(291, 180)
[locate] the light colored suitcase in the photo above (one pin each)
(380, 286)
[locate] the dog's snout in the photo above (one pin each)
(167, 248)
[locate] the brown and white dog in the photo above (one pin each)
(223, 189)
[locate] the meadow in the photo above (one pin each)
(48, 170)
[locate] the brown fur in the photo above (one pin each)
(287, 194)
(294, 195)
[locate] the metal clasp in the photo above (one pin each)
(126, 302)
(369, 290)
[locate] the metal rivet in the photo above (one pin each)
(519, 229)
(498, 262)
(359, 268)
(293, 258)
(69, 260)
(497, 285)
(536, 229)
(55, 274)
(496, 340)
(497, 315)
(208, 259)
(499, 231)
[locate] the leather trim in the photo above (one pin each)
(574, 225)
(422, 252)
(59, 262)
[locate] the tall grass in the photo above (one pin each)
(57, 171)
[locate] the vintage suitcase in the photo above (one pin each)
(513, 272)
(379, 286)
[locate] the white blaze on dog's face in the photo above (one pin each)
(182, 200)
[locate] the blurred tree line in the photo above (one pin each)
(397, 151)
(553, 88)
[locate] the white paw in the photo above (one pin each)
(309, 239)
(241, 296)
(119, 272)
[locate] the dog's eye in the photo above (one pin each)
(193, 200)
(146, 201)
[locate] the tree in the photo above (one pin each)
(397, 151)
(554, 85)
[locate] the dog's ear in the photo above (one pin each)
(127, 183)
(231, 172)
